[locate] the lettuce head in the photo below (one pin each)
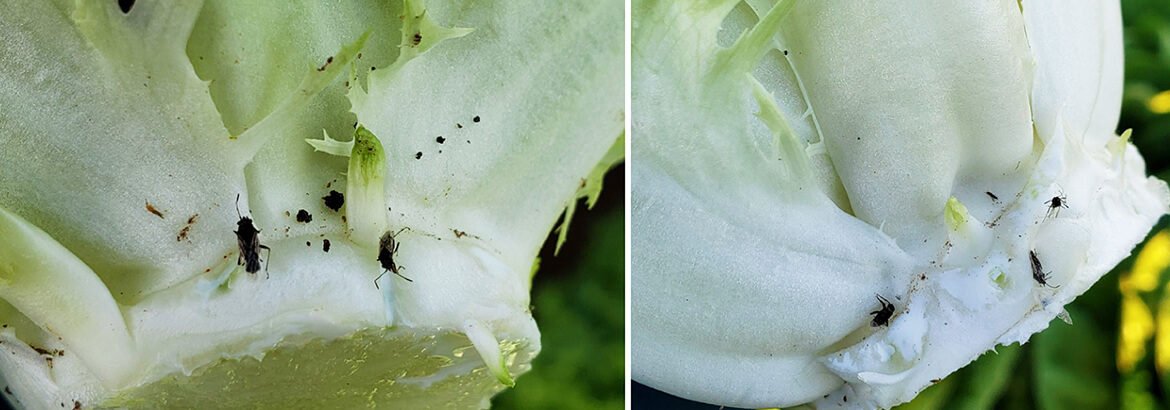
(132, 132)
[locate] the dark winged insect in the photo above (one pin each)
(1038, 272)
(1056, 203)
(246, 236)
(881, 317)
(387, 248)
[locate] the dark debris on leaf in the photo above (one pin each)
(334, 200)
(304, 216)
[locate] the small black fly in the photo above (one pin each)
(1056, 203)
(246, 237)
(993, 197)
(1038, 272)
(881, 317)
(387, 248)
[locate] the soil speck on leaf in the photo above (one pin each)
(150, 208)
(334, 200)
(304, 216)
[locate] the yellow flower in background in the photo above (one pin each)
(1159, 103)
(1151, 260)
(1137, 326)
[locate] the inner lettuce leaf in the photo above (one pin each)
(798, 159)
(127, 137)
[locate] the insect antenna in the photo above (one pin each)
(238, 207)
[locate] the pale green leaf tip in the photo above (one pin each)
(787, 146)
(420, 33)
(750, 47)
(1117, 146)
(489, 350)
(368, 153)
(331, 146)
(319, 77)
(999, 276)
(563, 229)
(502, 374)
(349, 52)
(590, 188)
(955, 214)
(364, 191)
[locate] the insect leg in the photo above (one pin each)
(266, 258)
(400, 275)
(376, 280)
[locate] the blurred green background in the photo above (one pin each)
(1116, 355)
(578, 299)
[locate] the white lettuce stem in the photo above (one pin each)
(58, 292)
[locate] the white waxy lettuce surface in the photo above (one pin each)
(470, 128)
(796, 159)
